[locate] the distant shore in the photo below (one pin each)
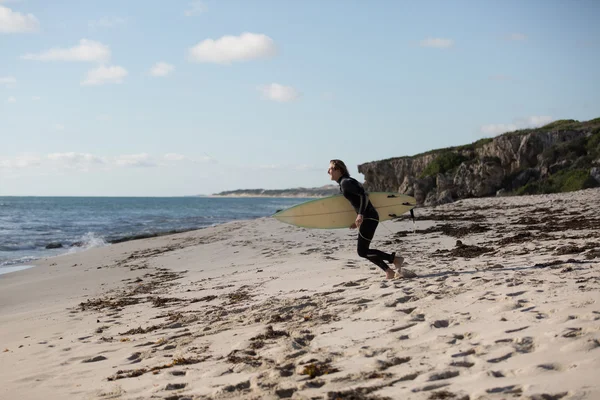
(290, 196)
(323, 191)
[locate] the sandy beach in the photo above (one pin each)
(506, 305)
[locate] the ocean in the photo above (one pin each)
(31, 226)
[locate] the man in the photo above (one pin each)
(366, 221)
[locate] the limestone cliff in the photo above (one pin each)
(561, 156)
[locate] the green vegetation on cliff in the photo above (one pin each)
(445, 162)
(561, 156)
(562, 181)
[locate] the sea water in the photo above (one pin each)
(30, 226)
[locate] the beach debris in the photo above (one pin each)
(132, 373)
(382, 365)
(315, 369)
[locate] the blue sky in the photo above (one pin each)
(169, 98)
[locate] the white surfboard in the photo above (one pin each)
(336, 211)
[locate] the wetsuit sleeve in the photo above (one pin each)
(350, 186)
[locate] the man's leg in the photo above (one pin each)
(377, 257)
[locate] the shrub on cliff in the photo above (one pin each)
(443, 163)
(562, 181)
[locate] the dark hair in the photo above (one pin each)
(339, 165)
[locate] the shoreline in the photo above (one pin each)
(264, 196)
(505, 304)
(78, 249)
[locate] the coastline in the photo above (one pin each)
(81, 223)
(306, 196)
(505, 304)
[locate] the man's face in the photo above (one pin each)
(333, 172)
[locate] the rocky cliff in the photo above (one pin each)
(561, 156)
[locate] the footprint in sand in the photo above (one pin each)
(95, 359)
(382, 365)
(443, 375)
(464, 364)
(175, 386)
(524, 345)
(551, 367)
(546, 396)
(135, 358)
(430, 387)
(286, 370)
(500, 359)
(442, 323)
(285, 393)
(512, 389)
(464, 353)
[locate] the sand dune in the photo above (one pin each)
(505, 305)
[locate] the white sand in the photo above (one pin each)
(243, 310)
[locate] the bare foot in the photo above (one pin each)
(398, 262)
(390, 274)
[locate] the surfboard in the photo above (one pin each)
(335, 212)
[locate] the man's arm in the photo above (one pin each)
(353, 187)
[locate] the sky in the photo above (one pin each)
(176, 98)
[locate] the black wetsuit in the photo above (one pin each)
(359, 198)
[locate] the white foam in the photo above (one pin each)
(89, 241)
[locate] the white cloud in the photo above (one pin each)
(72, 160)
(196, 7)
(227, 49)
(206, 159)
(15, 22)
(535, 121)
(135, 160)
(53, 162)
(174, 157)
(103, 75)
(87, 161)
(279, 93)
(8, 81)
(269, 166)
(497, 129)
(21, 161)
(107, 22)
(104, 117)
(59, 127)
(86, 51)
(519, 123)
(11, 99)
(518, 37)
(161, 69)
(439, 43)
(35, 98)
